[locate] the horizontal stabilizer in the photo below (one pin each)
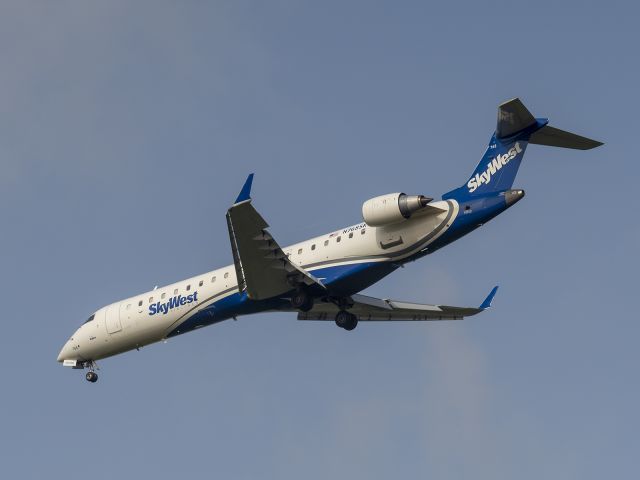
(554, 137)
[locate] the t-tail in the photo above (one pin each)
(516, 129)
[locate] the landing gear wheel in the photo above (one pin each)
(346, 320)
(302, 301)
(91, 377)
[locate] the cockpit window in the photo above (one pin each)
(91, 318)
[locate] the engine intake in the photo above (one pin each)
(392, 208)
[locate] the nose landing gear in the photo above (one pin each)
(91, 375)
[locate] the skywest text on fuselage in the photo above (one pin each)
(177, 301)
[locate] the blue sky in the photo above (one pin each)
(127, 129)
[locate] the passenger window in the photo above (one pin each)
(175, 292)
(201, 282)
(326, 242)
(362, 231)
(188, 287)
(338, 239)
(140, 303)
(299, 251)
(162, 296)
(313, 247)
(351, 235)
(226, 275)
(150, 299)
(213, 279)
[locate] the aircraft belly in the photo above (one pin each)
(352, 278)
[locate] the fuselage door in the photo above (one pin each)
(112, 319)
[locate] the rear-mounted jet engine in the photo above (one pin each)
(392, 208)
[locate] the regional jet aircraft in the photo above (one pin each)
(321, 278)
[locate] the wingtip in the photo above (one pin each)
(487, 301)
(245, 193)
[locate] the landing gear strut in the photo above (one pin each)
(302, 301)
(346, 320)
(91, 375)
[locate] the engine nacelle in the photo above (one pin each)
(392, 208)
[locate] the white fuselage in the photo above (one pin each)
(150, 317)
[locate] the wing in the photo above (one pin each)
(371, 309)
(263, 269)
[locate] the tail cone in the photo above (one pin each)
(513, 196)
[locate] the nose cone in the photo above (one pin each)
(65, 353)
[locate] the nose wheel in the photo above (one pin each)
(91, 375)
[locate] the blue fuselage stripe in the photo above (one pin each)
(349, 278)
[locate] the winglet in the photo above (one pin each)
(245, 193)
(487, 301)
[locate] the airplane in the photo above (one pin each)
(321, 278)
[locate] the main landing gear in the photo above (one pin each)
(346, 320)
(301, 300)
(91, 377)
